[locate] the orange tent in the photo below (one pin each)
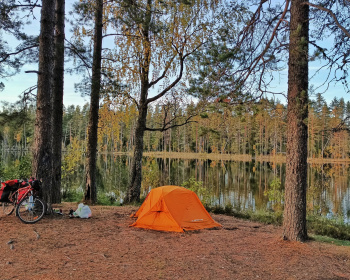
(173, 208)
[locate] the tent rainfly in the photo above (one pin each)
(173, 208)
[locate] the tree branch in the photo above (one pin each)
(256, 61)
(7, 55)
(120, 34)
(154, 82)
(164, 128)
(163, 92)
(328, 11)
(82, 58)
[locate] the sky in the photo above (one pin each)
(17, 84)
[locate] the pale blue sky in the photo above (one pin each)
(17, 84)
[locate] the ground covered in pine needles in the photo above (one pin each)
(105, 247)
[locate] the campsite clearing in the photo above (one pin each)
(105, 247)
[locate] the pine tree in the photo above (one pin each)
(42, 149)
(57, 100)
(90, 195)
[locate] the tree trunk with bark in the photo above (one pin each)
(42, 150)
(134, 188)
(294, 223)
(57, 101)
(91, 157)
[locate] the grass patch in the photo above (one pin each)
(326, 239)
(317, 226)
(266, 217)
(72, 196)
(275, 218)
(326, 227)
(105, 199)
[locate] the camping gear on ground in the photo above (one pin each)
(83, 211)
(173, 208)
(57, 211)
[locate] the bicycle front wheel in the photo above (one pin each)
(30, 210)
(8, 207)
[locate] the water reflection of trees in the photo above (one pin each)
(328, 190)
(242, 184)
(239, 184)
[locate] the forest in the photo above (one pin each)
(178, 76)
(257, 129)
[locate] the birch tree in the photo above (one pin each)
(154, 42)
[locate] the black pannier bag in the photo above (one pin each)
(36, 184)
(5, 192)
(7, 188)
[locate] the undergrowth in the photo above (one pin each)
(326, 239)
(326, 227)
(316, 225)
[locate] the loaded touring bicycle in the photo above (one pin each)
(22, 198)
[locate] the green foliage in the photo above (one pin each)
(262, 216)
(2, 171)
(10, 172)
(204, 115)
(197, 187)
(72, 195)
(275, 218)
(107, 199)
(19, 169)
(332, 228)
(150, 174)
(315, 224)
(71, 169)
(275, 194)
(25, 167)
(326, 239)
(72, 158)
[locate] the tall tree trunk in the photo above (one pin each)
(91, 157)
(294, 223)
(57, 101)
(42, 151)
(134, 188)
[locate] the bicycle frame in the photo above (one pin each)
(29, 208)
(20, 194)
(17, 196)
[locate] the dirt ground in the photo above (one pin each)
(105, 247)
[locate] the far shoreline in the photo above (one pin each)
(231, 157)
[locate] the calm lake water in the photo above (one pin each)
(241, 185)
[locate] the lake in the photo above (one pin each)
(242, 185)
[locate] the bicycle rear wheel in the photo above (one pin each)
(8, 207)
(30, 210)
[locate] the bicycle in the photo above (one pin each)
(23, 198)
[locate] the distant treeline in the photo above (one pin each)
(257, 129)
